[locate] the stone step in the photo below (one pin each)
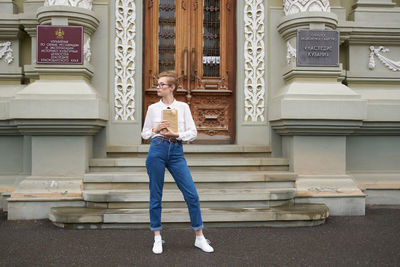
(198, 161)
(190, 149)
(205, 195)
(211, 179)
(297, 215)
(181, 204)
(195, 164)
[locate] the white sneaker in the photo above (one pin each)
(203, 244)
(157, 246)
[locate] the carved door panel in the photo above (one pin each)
(196, 39)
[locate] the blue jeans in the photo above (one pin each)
(163, 154)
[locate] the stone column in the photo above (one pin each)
(313, 113)
(62, 111)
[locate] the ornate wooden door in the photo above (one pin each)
(196, 38)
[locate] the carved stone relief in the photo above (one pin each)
(125, 55)
(291, 52)
(75, 3)
(298, 6)
(254, 65)
(6, 52)
(86, 50)
(391, 64)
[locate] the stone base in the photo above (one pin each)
(338, 192)
(338, 206)
(26, 209)
(383, 196)
(284, 216)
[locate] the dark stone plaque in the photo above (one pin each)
(59, 45)
(317, 48)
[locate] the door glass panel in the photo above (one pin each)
(211, 33)
(166, 40)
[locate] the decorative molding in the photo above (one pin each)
(125, 54)
(254, 65)
(87, 52)
(75, 3)
(298, 6)
(5, 50)
(393, 65)
(291, 52)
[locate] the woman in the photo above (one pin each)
(166, 152)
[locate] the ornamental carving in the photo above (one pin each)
(291, 52)
(254, 65)
(212, 115)
(6, 52)
(86, 50)
(298, 6)
(391, 64)
(75, 3)
(125, 54)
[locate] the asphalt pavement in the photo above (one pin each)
(371, 240)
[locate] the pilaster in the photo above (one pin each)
(313, 111)
(61, 111)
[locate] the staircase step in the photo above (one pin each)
(198, 149)
(181, 204)
(299, 214)
(200, 177)
(200, 161)
(211, 179)
(205, 195)
(195, 164)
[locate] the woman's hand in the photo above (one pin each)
(160, 126)
(169, 133)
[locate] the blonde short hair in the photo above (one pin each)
(171, 77)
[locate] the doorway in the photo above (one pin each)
(196, 38)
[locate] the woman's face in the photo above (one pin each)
(164, 88)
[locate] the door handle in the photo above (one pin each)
(193, 67)
(185, 63)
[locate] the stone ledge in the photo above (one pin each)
(289, 127)
(234, 194)
(308, 212)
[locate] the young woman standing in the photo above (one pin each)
(166, 151)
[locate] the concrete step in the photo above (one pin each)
(210, 179)
(195, 164)
(181, 204)
(190, 150)
(205, 195)
(297, 215)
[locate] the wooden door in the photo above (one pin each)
(196, 38)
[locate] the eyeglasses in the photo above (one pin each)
(163, 84)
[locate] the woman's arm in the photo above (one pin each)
(190, 132)
(147, 131)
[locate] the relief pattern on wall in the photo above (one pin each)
(298, 6)
(389, 63)
(125, 54)
(6, 52)
(254, 61)
(75, 3)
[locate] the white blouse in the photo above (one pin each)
(186, 128)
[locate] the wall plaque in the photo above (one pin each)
(59, 45)
(317, 48)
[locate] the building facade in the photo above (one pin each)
(338, 127)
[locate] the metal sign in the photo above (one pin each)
(59, 45)
(317, 48)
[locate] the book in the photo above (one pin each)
(170, 115)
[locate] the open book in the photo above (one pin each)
(170, 115)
